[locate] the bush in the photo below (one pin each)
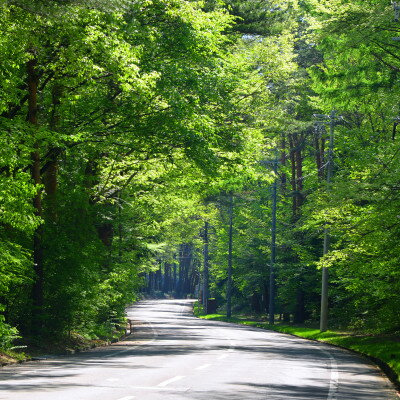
(7, 335)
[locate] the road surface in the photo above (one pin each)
(173, 355)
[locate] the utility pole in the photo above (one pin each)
(271, 307)
(229, 281)
(332, 120)
(205, 268)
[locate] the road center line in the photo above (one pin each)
(203, 366)
(127, 398)
(168, 381)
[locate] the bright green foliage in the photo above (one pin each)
(358, 77)
(353, 65)
(137, 102)
(150, 113)
(7, 334)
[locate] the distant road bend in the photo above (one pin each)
(173, 355)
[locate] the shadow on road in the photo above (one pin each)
(173, 334)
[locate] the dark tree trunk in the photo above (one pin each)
(166, 287)
(50, 176)
(265, 296)
(318, 159)
(175, 285)
(300, 313)
(283, 162)
(299, 173)
(293, 176)
(158, 285)
(106, 234)
(38, 285)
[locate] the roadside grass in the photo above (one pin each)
(383, 350)
(67, 344)
(11, 357)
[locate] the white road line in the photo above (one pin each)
(168, 381)
(334, 378)
(160, 389)
(334, 382)
(203, 366)
(127, 398)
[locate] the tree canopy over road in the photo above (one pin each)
(138, 140)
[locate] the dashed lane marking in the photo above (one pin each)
(203, 366)
(168, 381)
(160, 389)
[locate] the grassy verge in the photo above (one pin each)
(11, 357)
(383, 350)
(70, 344)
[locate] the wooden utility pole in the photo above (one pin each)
(230, 242)
(205, 268)
(332, 119)
(271, 308)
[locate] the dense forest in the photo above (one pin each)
(237, 150)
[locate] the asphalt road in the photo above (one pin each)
(173, 355)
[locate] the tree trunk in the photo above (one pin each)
(299, 173)
(32, 118)
(50, 176)
(318, 159)
(293, 176)
(174, 284)
(166, 287)
(299, 314)
(283, 162)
